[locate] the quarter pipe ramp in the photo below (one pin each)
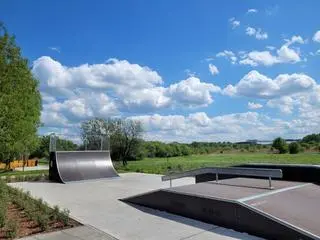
(69, 166)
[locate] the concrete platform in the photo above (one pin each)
(290, 210)
(96, 203)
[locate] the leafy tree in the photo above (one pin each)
(280, 145)
(42, 150)
(315, 138)
(125, 137)
(20, 101)
(294, 148)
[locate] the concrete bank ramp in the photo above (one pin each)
(70, 166)
(290, 210)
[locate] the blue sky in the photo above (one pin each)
(151, 61)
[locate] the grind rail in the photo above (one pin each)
(251, 172)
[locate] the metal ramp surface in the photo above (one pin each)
(69, 166)
(290, 210)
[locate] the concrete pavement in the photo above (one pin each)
(96, 203)
(39, 167)
(76, 233)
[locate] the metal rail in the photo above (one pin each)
(252, 172)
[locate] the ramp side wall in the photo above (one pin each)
(229, 214)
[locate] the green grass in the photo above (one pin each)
(20, 173)
(163, 165)
(43, 161)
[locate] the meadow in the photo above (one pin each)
(164, 165)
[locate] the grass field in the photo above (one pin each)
(20, 173)
(163, 165)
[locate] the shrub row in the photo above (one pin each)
(35, 209)
(38, 210)
(11, 226)
(22, 178)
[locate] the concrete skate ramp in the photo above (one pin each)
(69, 166)
(289, 211)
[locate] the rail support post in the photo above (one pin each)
(217, 177)
(270, 184)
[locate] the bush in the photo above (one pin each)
(294, 148)
(42, 221)
(3, 214)
(12, 228)
(306, 146)
(64, 216)
(55, 212)
(280, 145)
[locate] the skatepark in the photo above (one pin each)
(240, 202)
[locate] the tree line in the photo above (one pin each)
(309, 142)
(126, 143)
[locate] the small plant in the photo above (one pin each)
(64, 216)
(37, 178)
(12, 228)
(39, 203)
(3, 213)
(42, 221)
(55, 212)
(27, 195)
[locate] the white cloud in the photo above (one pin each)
(230, 127)
(190, 73)
(108, 75)
(271, 48)
(200, 127)
(284, 104)
(213, 69)
(252, 10)
(295, 39)
(257, 33)
(111, 88)
(229, 55)
(287, 55)
(56, 49)
(258, 85)
(252, 105)
(315, 53)
(250, 31)
(192, 92)
(256, 58)
(234, 23)
(316, 37)
(284, 55)
(229, 90)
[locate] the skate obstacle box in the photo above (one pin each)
(70, 166)
(247, 202)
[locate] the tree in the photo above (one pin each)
(42, 151)
(20, 101)
(125, 137)
(315, 138)
(294, 148)
(280, 145)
